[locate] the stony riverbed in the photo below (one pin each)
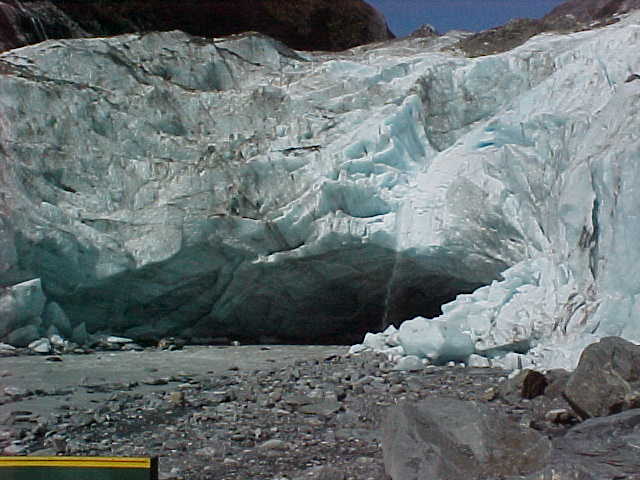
(251, 412)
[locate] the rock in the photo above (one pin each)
(598, 448)
(525, 384)
(177, 398)
(155, 381)
(632, 77)
(557, 380)
(42, 345)
(6, 349)
(325, 408)
(15, 449)
(171, 344)
(325, 472)
(314, 25)
(607, 371)
(424, 31)
(490, 394)
(632, 400)
(590, 10)
(16, 392)
(274, 444)
(559, 415)
(57, 443)
(442, 438)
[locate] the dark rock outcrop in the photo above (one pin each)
(24, 23)
(590, 10)
(304, 25)
(573, 15)
(606, 378)
(443, 438)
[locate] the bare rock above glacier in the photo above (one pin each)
(590, 10)
(308, 25)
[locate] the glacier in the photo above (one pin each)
(163, 184)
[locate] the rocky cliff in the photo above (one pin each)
(305, 25)
(590, 10)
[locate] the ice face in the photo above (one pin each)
(160, 184)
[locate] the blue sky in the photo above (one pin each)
(404, 16)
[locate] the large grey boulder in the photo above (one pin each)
(607, 375)
(444, 438)
(597, 449)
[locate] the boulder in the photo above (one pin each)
(607, 372)
(599, 448)
(557, 379)
(525, 384)
(445, 438)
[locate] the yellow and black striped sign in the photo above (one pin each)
(78, 468)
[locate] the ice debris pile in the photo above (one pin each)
(162, 185)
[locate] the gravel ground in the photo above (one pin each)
(294, 412)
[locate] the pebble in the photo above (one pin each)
(155, 381)
(226, 429)
(560, 415)
(273, 444)
(177, 398)
(16, 391)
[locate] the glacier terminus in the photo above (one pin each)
(479, 210)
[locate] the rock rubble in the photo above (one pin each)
(326, 414)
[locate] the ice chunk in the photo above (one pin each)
(434, 339)
(478, 361)
(409, 363)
